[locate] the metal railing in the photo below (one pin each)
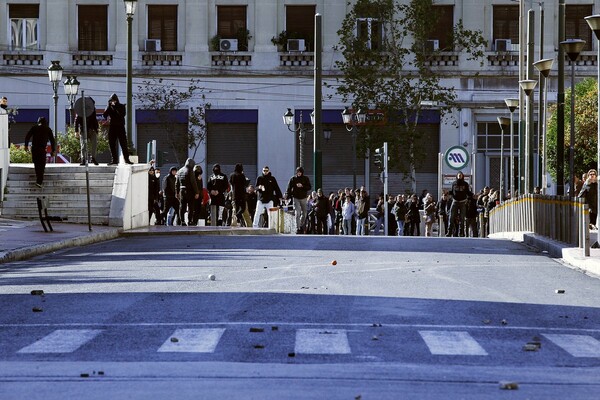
(559, 218)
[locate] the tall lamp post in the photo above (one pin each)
(71, 86)
(503, 122)
(528, 85)
(351, 121)
(288, 119)
(55, 75)
(130, 6)
(544, 66)
(594, 23)
(572, 47)
(512, 105)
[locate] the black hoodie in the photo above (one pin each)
(217, 186)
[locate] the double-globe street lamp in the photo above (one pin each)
(301, 130)
(130, 6)
(512, 105)
(71, 86)
(527, 85)
(572, 47)
(55, 75)
(594, 23)
(544, 66)
(351, 121)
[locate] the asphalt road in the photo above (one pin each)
(421, 318)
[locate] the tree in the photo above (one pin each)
(386, 66)
(586, 128)
(165, 98)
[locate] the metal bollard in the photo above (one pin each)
(214, 215)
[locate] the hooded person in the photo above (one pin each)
(115, 113)
(461, 193)
(171, 197)
(268, 192)
(298, 188)
(239, 182)
(40, 134)
(217, 186)
(187, 188)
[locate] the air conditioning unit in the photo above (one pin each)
(502, 45)
(152, 44)
(296, 45)
(432, 45)
(228, 45)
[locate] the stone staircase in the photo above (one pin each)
(65, 188)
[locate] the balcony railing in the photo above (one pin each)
(231, 60)
(92, 59)
(162, 59)
(23, 59)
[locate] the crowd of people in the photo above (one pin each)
(182, 198)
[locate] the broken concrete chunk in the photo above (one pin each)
(37, 309)
(174, 340)
(509, 385)
(255, 330)
(559, 291)
(37, 292)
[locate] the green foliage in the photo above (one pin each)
(586, 129)
(18, 155)
(165, 98)
(392, 73)
(70, 145)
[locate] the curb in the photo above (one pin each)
(36, 250)
(226, 231)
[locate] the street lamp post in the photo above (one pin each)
(572, 47)
(130, 6)
(71, 86)
(528, 85)
(503, 122)
(512, 105)
(594, 23)
(288, 119)
(544, 66)
(351, 121)
(55, 75)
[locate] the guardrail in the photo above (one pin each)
(559, 218)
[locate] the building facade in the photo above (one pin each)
(250, 81)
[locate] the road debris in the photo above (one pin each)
(37, 292)
(559, 291)
(334, 262)
(174, 340)
(37, 309)
(257, 330)
(212, 277)
(509, 385)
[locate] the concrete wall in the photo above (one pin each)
(4, 153)
(129, 204)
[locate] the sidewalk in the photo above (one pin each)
(20, 240)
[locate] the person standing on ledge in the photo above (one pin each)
(40, 135)
(115, 111)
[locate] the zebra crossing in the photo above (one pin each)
(313, 341)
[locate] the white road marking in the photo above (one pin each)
(322, 341)
(576, 345)
(192, 341)
(62, 341)
(452, 343)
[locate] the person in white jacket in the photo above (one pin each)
(348, 211)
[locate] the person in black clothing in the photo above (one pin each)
(115, 111)
(251, 199)
(171, 197)
(589, 191)
(239, 182)
(187, 187)
(322, 209)
(199, 206)
(298, 189)
(442, 210)
(153, 196)
(460, 195)
(40, 135)
(268, 192)
(91, 123)
(217, 186)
